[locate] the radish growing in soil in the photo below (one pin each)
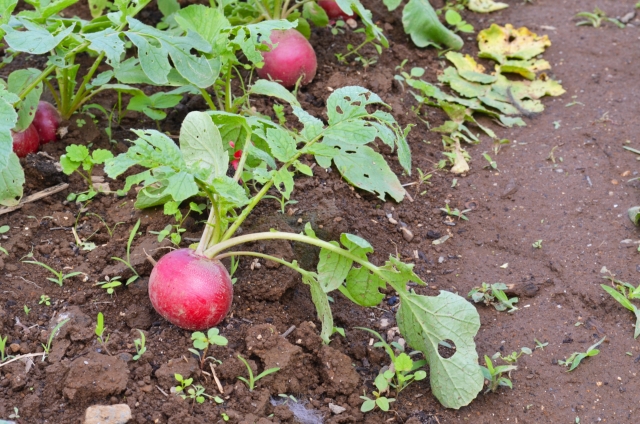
(25, 142)
(291, 58)
(192, 289)
(333, 10)
(46, 121)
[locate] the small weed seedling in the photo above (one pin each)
(4, 229)
(494, 295)
(251, 382)
(201, 343)
(540, 345)
(60, 276)
(624, 293)
(26, 310)
(454, 19)
(47, 347)
(495, 375)
(110, 230)
(16, 413)
(537, 244)
(174, 231)
(127, 262)
(576, 357)
(455, 212)
(401, 371)
(596, 18)
(380, 401)
(195, 392)
(109, 284)
(492, 163)
(3, 348)
(78, 156)
(45, 300)
(100, 333)
(513, 357)
(140, 346)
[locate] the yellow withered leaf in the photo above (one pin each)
(502, 43)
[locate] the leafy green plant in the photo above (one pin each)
(271, 154)
(454, 19)
(77, 157)
(624, 293)
(596, 18)
(492, 163)
(382, 402)
(540, 345)
(421, 22)
(45, 300)
(202, 342)
(127, 262)
(26, 310)
(140, 346)
(402, 371)
(494, 374)
(60, 276)
(195, 392)
(15, 414)
(455, 212)
(537, 244)
(100, 329)
(494, 295)
(575, 358)
(54, 332)
(251, 382)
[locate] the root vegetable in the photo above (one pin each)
(190, 291)
(292, 58)
(47, 120)
(25, 142)
(333, 10)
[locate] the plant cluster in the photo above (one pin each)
(494, 295)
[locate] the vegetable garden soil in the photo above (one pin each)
(577, 207)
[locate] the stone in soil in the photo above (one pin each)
(78, 328)
(149, 245)
(95, 376)
(107, 414)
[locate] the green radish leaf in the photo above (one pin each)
(46, 9)
(96, 7)
(392, 4)
(321, 302)
(332, 269)
(421, 23)
(273, 89)
(313, 12)
(303, 27)
(108, 42)
(6, 8)
(230, 191)
(17, 81)
(36, 39)
(283, 181)
(424, 322)
(356, 245)
(181, 186)
(363, 286)
(152, 105)
(205, 21)
(281, 143)
(201, 146)
(11, 181)
(100, 156)
(154, 58)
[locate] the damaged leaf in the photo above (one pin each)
(485, 6)
(501, 43)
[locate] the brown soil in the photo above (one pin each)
(577, 206)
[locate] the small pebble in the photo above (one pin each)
(407, 234)
(392, 300)
(559, 170)
(15, 347)
(384, 323)
(441, 259)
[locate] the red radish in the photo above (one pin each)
(26, 141)
(292, 58)
(47, 121)
(190, 291)
(333, 10)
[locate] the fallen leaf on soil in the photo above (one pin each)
(485, 6)
(499, 43)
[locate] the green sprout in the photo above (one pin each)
(127, 262)
(251, 382)
(140, 346)
(60, 276)
(576, 357)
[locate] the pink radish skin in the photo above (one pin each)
(190, 291)
(333, 10)
(292, 58)
(26, 141)
(47, 120)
